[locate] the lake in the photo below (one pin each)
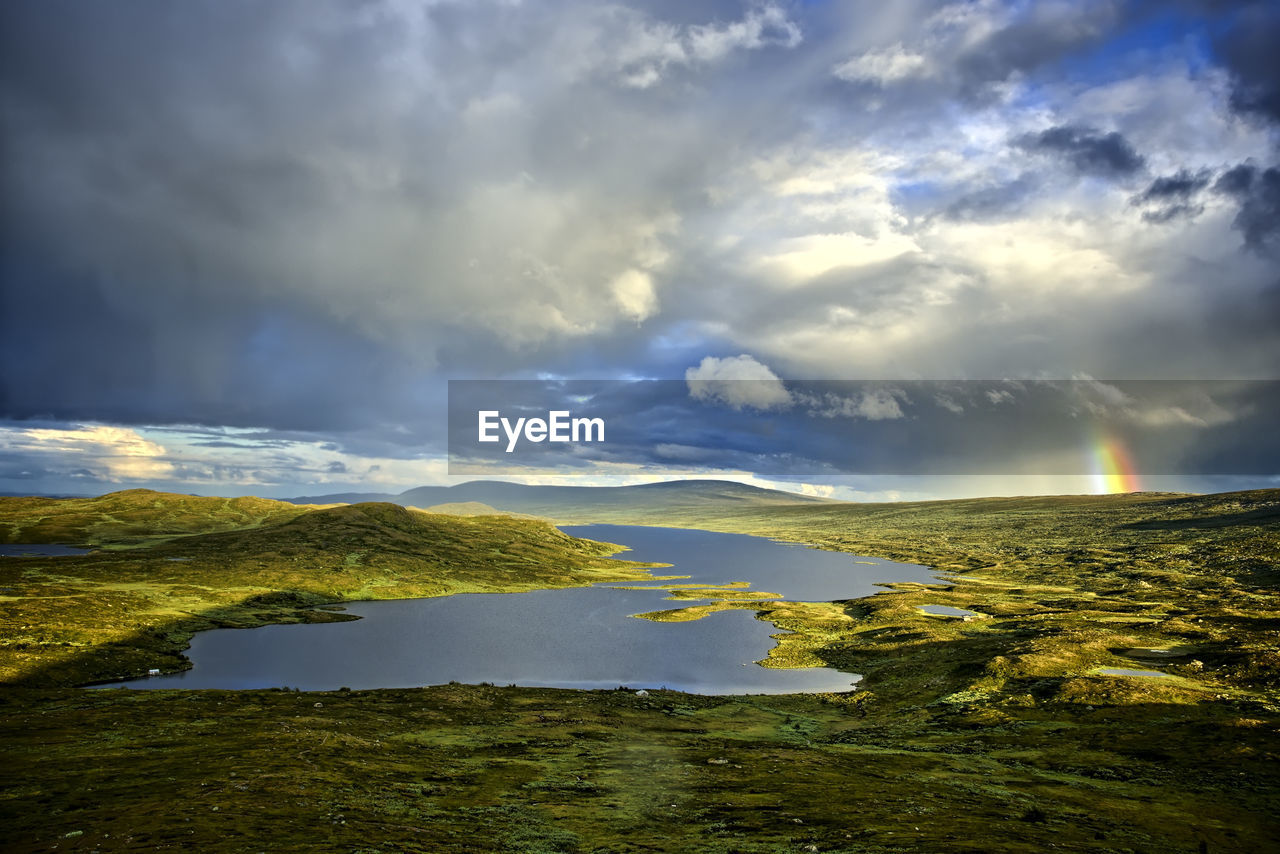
(571, 638)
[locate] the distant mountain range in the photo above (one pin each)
(562, 500)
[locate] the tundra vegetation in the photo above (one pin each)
(1000, 732)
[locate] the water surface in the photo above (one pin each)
(796, 572)
(40, 550)
(947, 611)
(574, 638)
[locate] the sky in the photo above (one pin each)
(245, 246)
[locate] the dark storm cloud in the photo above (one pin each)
(1258, 192)
(79, 347)
(1089, 151)
(146, 145)
(1180, 186)
(1246, 44)
(1237, 181)
(294, 215)
(1169, 213)
(1247, 47)
(1170, 197)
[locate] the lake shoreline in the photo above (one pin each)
(639, 661)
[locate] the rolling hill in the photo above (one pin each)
(585, 502)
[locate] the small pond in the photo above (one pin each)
(1128, 671)
(948, 611)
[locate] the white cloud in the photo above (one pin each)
(633, 291)
(115, 454)
(185, 457)
(948, 403)
(999, 396)
(740, 382)
(850, 255)
(1038, 254)
(804, 212)
(650, 49)
(933, 47)
(874, 405)
(803, 258)
(887, 65)
(762, 26)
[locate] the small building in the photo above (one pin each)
(155, 671)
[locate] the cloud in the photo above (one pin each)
(633, 291)
(873, 405)
(1180, 186)
(1169, 197)
(101, 452)
(741, 382)
(1157, 404)
(1257, 191)
(971, 48)
(1248, 47)
(888, 65)
(351, 199)
(997, 201)
(650, 49)
(762, 26)
(949, 403)
(96, 457)
(1089, 151)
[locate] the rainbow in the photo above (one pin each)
(1113, 468)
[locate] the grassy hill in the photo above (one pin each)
(576, 502)
(132, 517)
